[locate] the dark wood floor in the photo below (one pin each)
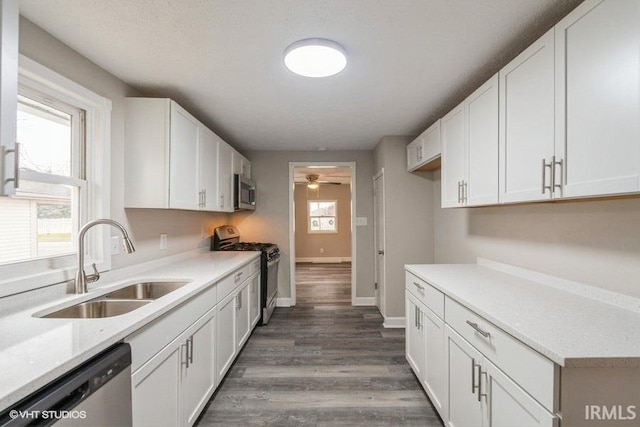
(322, 364)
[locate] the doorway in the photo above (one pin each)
(322, 201)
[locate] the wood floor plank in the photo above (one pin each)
(322, 363)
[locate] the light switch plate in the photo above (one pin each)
(361, 221)
(163, 241)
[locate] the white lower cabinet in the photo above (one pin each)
(254, 300)
(226, 348)
(173, 387)
(179, 359)
(483, 396)
(414, 337)
(425, 346)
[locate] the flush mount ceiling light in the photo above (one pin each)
(315, 58)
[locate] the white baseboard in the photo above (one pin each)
(365, 301)
(283, 302)
(394, 322)
(324, 260)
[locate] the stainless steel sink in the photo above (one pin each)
(145, 291)
(97, 309)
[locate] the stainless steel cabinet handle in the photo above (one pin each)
(185, 359)
(190, 349)
(16, 163)
(419, 286)
(473, 376)
(415, 316)
(419, 318)
(480, 374)
(380, 252)
(204, 198)
(465, 191)
(546, 165)
(480, 331)
(459, 191)
(239, 275)
(561, 164)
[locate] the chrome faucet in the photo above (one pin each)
(82, 279)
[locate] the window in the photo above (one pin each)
(63, 131)
(323, 217)
(41, 217)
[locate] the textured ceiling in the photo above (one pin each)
(409, 60)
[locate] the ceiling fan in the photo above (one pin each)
(313, 183)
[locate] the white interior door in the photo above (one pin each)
(378, 218)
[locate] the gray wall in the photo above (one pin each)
(408, 218)
(270, 221)
(595, 242)
(182, 227)
(335, 245)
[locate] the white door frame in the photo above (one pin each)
(292, 222)
(380, 300)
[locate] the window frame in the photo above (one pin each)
(309, 217)
(21, 276)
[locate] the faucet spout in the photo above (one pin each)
(82, 279)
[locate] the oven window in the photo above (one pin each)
(322, 216)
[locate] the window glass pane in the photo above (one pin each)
(38, 222)
(45, 137)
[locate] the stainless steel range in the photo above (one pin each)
(227, 238)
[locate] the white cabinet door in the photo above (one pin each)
(183, 160)
(508, 405)
(434, 378)
(155, 389)
(413, 154)
(198, 367)
(225, 177)
(9, 18)
(527, 123)
(243, 323)
(254, 300)
(464, 364)
(225, 335)
(453, 157)
(414, 336)
(482, 152)
(208, 168)
(597, 93)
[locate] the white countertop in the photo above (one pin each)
(35, 351)
(572, 330)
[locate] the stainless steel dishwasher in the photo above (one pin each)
(97, 393)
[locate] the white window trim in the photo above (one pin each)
(32, 274)
(309, 230)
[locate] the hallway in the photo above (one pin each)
(322, 364)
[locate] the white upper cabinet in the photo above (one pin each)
(183, 157)
(481, 185)
(225, 177)
(597, 99)
(241, 165)
(173, 161)
(453, 157)
(423, 153)
(9, 18)
(527, 124)
(470, 149)
(208, 168)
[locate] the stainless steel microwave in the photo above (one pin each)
(244, 193)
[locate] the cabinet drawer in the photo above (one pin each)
(426, 294)
(535, 373)
(149, 340)
(229, 283)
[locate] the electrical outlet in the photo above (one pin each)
(163, 241)
(115, 245)
(203, 233)
(321, 250)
